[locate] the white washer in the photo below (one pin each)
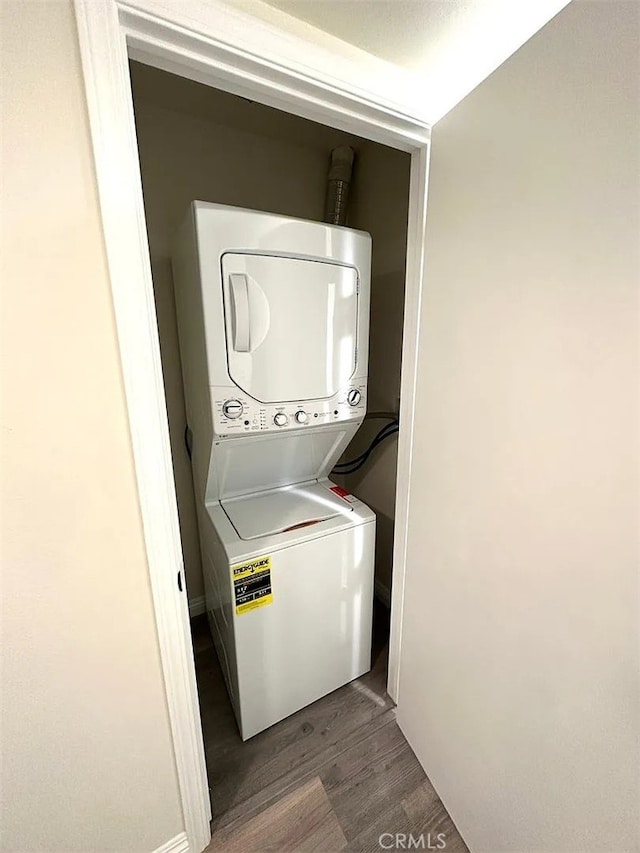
(273, 327)
(315, 633)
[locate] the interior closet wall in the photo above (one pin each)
(196, 142)
(380, 206)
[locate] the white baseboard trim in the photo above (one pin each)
(197, 606)
(383, 593)
(179, 844)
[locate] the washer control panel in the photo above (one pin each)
(232, 409)
(236, 414)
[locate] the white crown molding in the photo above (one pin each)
(252, 59)
(309, 53)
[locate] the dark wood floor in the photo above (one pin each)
(334, 776)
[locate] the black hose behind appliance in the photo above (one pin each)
(353, 465)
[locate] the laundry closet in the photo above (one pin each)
(197, 143)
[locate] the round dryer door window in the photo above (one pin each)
(291, 326)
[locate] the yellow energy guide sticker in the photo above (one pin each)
(252, 584)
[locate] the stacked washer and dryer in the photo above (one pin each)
(273, 322)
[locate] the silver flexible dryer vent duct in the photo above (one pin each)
(335, 209)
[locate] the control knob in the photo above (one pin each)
(301, 417)
(280, 419)
(232, 409)
(354, 397)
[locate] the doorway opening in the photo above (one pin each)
(229, 50)
(196, 142)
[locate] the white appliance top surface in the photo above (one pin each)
(281, 510)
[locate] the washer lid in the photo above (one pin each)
(281, 510)
(291, 326)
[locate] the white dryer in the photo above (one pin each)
(273, 327)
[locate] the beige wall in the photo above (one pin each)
(519, 684)
(196, 142)
(380, 206)
(87, 760)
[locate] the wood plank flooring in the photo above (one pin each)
(301, 821)
(335, 776)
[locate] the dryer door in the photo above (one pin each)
(291, 326)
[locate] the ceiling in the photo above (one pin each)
(448, 46)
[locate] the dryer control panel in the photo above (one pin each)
(237, 414)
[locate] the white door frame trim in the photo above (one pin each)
(328, 82)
